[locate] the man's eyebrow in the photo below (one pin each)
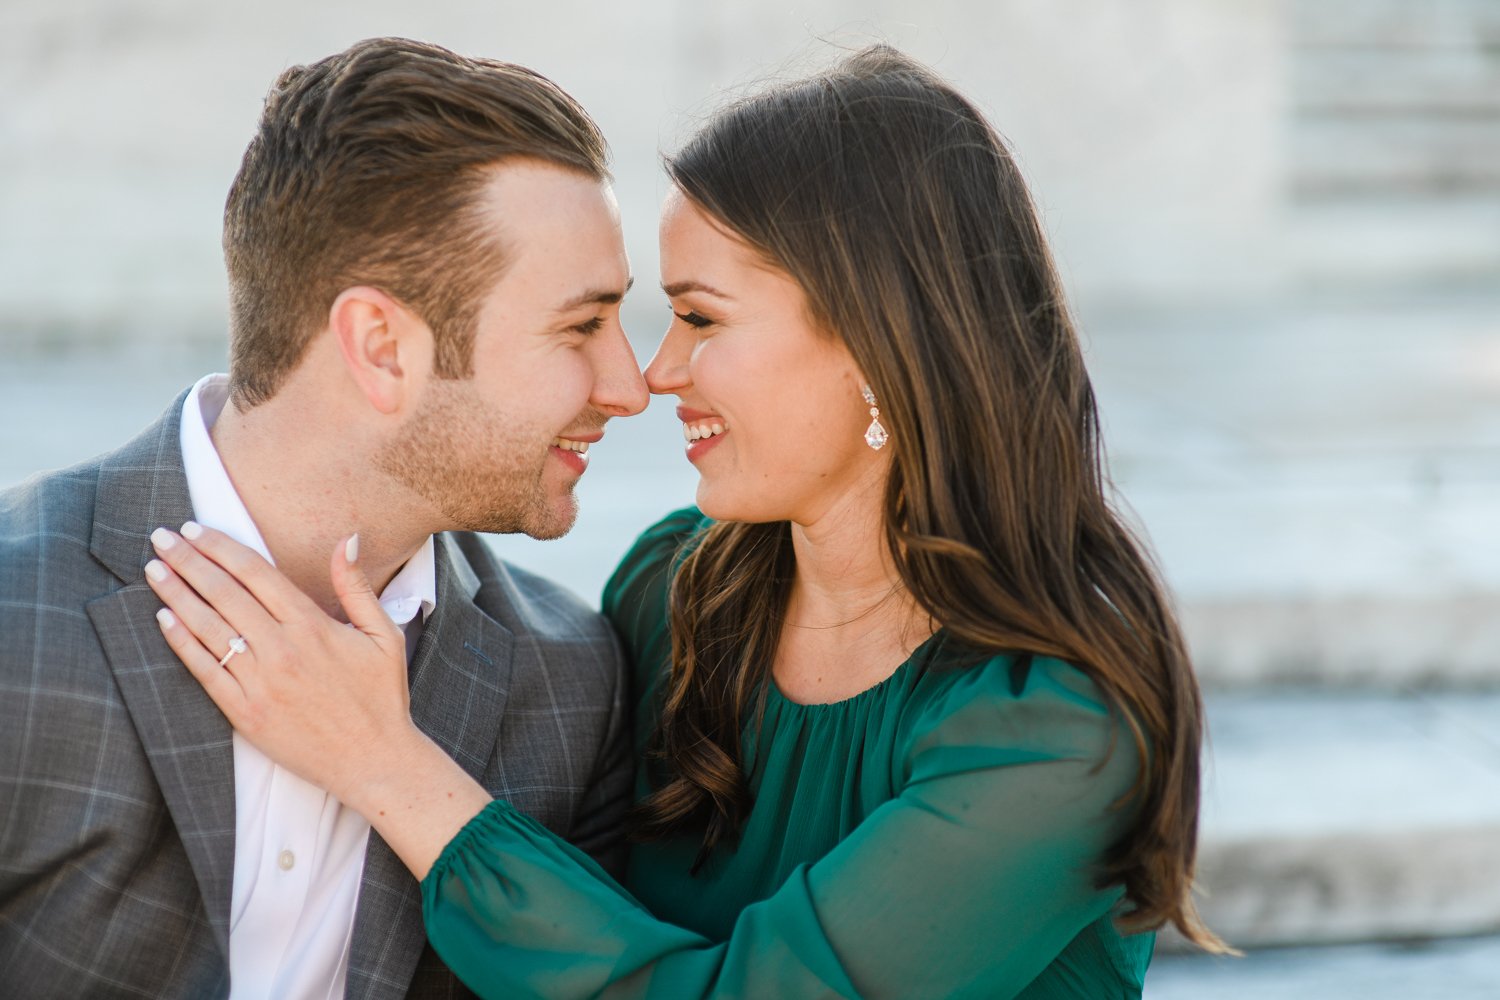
(596, 296)
(677, 288)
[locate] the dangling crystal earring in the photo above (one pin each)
(875, 436)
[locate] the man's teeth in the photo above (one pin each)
(697, 432)
(582, 447)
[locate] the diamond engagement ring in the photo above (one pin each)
(236, 645)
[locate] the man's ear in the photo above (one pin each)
(386, 348)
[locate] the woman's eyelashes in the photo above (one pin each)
(693, 318)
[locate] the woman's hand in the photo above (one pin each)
(325, 700)
(316, 696)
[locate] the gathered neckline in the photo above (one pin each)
(925, 650)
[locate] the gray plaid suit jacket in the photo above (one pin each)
(117, 773)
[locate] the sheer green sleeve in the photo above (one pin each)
(968, 883)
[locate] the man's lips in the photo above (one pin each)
(573, 449)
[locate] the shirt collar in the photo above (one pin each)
(217, 505)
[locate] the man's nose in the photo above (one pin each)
(619, 389)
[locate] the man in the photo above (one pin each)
(425, 267)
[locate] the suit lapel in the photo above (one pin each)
(459, 678)
(187, 740)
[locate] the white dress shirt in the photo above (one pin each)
(299, 853)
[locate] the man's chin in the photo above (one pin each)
(552, 522)
(549, 532)
(539, 518)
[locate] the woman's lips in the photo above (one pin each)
(701, 430)
(696, 449)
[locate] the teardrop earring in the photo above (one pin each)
(875, 435)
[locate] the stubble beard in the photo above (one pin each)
(482, 475)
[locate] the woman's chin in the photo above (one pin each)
(726, 505)
(711, 503)
(722, 504)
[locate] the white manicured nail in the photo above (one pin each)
(191, 530)
(351, 548)
(156, 570)
(166, 618)
(163, 539)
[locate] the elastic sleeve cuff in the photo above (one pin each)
(486, 823)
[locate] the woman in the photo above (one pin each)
(914, 717)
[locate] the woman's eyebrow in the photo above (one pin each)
(680, 287)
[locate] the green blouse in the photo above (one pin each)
(933, 836)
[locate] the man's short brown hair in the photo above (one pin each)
(365, 170)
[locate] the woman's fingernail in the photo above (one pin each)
(351, 548)
(191, 530)
(163, 539)
(166, 618)
(156, 570)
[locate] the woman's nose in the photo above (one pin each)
(668, 370)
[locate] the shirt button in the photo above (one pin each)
(286, 860)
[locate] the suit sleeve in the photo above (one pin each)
(599, 827)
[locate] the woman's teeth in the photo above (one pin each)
(697, 432)
(582, 447)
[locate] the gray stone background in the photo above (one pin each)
(1279, 221)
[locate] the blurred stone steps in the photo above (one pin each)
(1350, 816)
(1357, 242)
(1460, 969)
(1396, 24)
(1350, 79)
(1393, 142)
(1399, 155)
(1320, 483)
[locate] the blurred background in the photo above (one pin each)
(1280, 224)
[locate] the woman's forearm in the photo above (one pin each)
(415, 796)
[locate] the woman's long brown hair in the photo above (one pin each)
(903, 217)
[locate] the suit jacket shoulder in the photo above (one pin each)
(527, 603)
(107, 761)
(562, 677)
(45, 523)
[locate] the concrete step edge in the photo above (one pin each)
(1344, 886)
(1392, 641)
